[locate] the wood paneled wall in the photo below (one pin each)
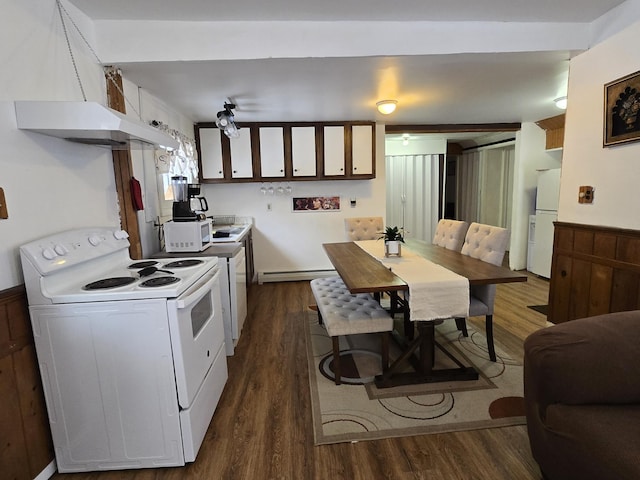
(25, 440)
(594, 270)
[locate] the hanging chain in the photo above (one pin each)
(73, 60)
(109, 72)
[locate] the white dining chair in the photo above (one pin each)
(489, 244)
(450, 234)
(363, 228)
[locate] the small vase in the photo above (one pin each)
(392, 247)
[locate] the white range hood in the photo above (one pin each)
(89, 123)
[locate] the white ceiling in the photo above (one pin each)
(431, 89)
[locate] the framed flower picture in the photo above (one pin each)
(622, 110)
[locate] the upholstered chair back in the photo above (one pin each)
(363, 228)
(450, 234)
(486, 243)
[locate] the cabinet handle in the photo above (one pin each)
(295, 169)
(235, 171)
(563, 273)
(281, 170)
(355, 168)
(341, 169)
(220, 171)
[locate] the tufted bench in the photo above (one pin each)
(344, 313)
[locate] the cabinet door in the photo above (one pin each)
(241, 157)
(362, 149)
(272, 151)
(334, 150)
(211, 153)
(303, 151)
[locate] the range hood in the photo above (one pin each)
(89, 123)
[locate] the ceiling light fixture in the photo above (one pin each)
(225, 121)
(386, 106)
(561, 102)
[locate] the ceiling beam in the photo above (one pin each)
(454, 128)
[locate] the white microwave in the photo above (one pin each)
(187, 236)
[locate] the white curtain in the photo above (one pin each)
(467, 177)
(485, 186)
(412, 194)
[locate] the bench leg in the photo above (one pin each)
(336, 358)
(384, 349)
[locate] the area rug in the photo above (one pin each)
(357, 410)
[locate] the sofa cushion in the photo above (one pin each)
(595, 441)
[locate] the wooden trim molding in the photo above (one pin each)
(454, 128)
(594, 270)
(27, 447)
(123, 168)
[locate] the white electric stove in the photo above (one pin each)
(131, 353)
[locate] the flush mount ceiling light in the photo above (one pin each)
(561, 102)
(386, 106)
(225, 121)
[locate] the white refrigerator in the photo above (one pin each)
(547, 195)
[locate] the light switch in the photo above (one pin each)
(585, 194)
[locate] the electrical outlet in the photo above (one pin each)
(585, 194)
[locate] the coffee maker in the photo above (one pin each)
(181, 202)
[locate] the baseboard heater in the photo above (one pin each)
(292, 276)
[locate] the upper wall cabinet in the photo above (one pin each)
(334, 147)
(362, 150)
(287, 151)
(271, 152)
(303, 151)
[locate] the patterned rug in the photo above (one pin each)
(357, 410)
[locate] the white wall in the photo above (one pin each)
(288, 241)
(530, 157)
(614, 172)
(51, 184)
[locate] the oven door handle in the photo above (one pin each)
(197, 291)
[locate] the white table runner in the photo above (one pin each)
(434, 292)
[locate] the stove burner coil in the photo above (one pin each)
(183, 263)
(146, 263)
(109, 283)
(159, 281)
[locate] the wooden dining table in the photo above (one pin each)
(363, 273)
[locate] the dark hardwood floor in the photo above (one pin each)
(262, 428)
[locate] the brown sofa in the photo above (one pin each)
(582, 398)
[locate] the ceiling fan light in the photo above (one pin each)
(231, 130)
(386, 107)
(561, 102)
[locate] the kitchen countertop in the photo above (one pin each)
(226, 250)
(237, 232)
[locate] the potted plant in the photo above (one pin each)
(393, 240)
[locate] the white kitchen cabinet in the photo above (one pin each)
(287, 152)
(272, 151)
(241, 156)
(303, 151)
(211, 153)
(334, 150)
(362, 150)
